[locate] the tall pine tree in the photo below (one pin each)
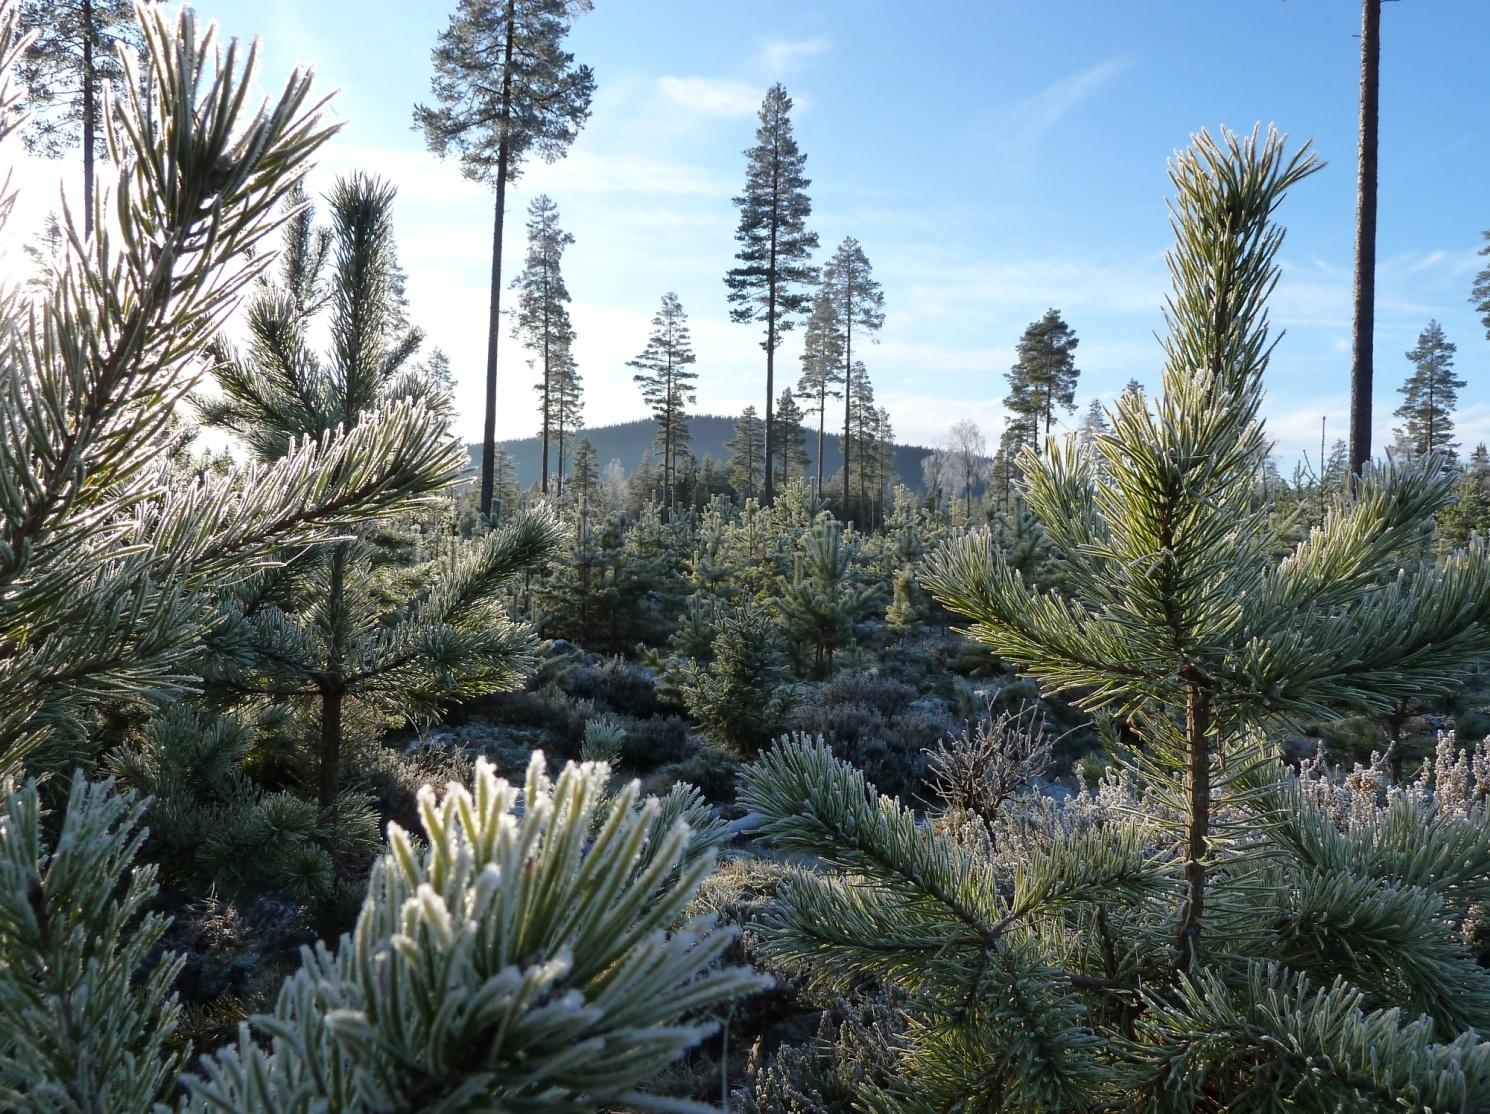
(1044, 376)
(66, 69)
(859, 304)
(775, 244)
(866, 449)
(664, 370)
(569, 412)
(542, 321)
(822, 367)
(1363, 299)
(1431, 392)
(789, 447)
(747, 451)
(505, 89)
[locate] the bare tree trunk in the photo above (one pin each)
(822, 418)
(1365, 240)
(848, 390)
(494, 320)
(90, 112)
(771, 368)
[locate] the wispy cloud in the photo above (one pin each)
(780, 56)
(1037, 115)
(710, 96)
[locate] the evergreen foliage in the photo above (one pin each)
(108, 560)
(822, 366)
(522, 961)
(747, 461)
(741, 696)
(823, 600)
(790, 440)
(1203, 931)
(1093, 423)
(848, 283)
(1431, 393)
(664, 371)
(69, 69)
(87, 1014)
(315, 629)
(1469, 513)
(1043, 379)
(542, 323)
(776, 245)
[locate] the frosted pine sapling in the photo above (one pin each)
(107, 560)
(1218, 939)
(313, 631)
(87, 1014)
(529, 960)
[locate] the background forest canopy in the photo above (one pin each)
(1089, 763)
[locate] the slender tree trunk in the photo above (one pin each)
(494, 319)
(1197, 827)
(822, 418)
(848, 389)
(90, 113)
(1365, 240)
(547, 407)
(667, 434)
(1431, 414)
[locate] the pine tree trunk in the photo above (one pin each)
(1365, 240)
(547, 407)
(848, 391)
(90, 112)
(1198, 797)
(494, 319)
(669, 420)
(822, 419)
(770, 486)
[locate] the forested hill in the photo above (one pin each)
(627, 441)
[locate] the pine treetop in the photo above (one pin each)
(534, 101)
(775, 243)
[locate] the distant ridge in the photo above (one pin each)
(628, 441)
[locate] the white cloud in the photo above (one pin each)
(711, 96)
(777, 56)
(1038, 114)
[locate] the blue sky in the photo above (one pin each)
(994, 158)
